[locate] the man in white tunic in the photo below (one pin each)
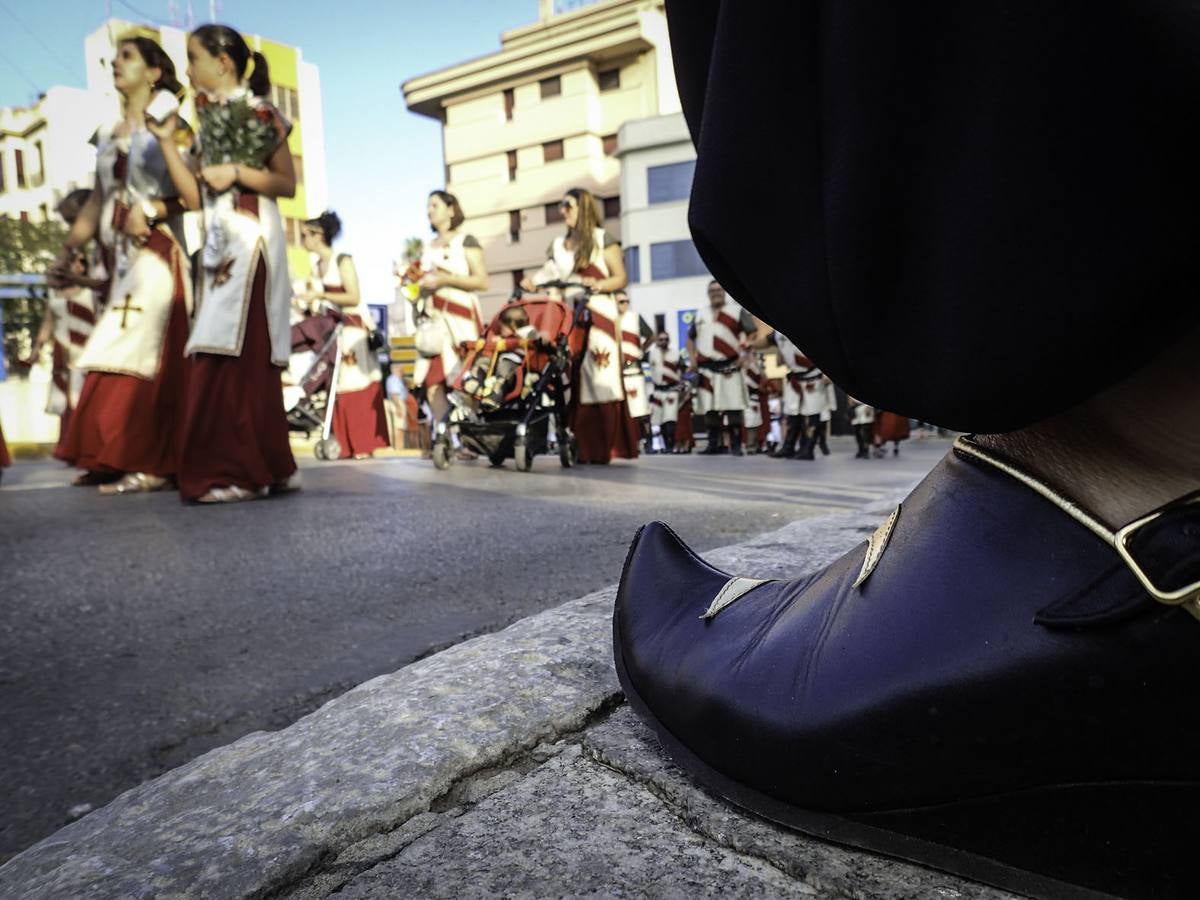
(716, 344)
(665, 372)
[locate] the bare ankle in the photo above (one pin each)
(1126, 451)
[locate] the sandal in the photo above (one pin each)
(231, 494)
(92, 479)
(289, 485)
(134, 483)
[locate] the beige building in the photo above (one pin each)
(44, 152)
(541, 115)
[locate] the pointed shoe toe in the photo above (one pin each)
(985, 687)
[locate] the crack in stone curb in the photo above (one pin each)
(693, 822)
(327, 876)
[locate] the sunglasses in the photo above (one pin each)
(566, 204)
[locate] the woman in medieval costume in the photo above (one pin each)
(993, 212)
(235, 433)
(443, 285)
(125, 430)
(589, 255)
(359, 416)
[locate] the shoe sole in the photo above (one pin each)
(996, 828)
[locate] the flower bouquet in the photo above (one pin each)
(236, 131)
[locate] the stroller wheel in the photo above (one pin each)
(568, 453)
(326, 449)
(523, 457)
(497, 460)
(441, 455)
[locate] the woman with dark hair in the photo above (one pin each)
(450, 273)
(359, 416)
(991, 210)
(125, 429)
(235, 439)
(589, 255)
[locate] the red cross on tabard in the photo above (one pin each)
(127, 309)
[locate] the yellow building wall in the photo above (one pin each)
(282, 62)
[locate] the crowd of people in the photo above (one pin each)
(168, 367)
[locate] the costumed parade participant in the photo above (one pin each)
(70, 317)
(999, 682)
(803, 398)
(756, 421)
(359, 416)
(125, 431)
(589, 255)
(235, 434)
(862, 420)
(665, 375)
(443, 286)
(716, 341)
(635, 338)
(890, 427)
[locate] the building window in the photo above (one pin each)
(675, 259)
(633, 264)
(610, 144)
(517, 275)
(3, 187)
(45, 212)
(40, 178)
(610, 80)
(612, 207)
(287, 101)
(660, 323)
(670, 182)
(514, 225)
(509, 100)
(512, 165)
(298, 165)
(550, 87)
(20, 156)
(554, 213)
(552, 152)
(24, 216)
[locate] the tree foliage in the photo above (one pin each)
(26, 248)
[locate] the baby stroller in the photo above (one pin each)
(310, 401)
(519, 429)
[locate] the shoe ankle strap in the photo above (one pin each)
(1161, 549)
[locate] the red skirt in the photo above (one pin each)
(605, 431)
(891, 427)
(5, 459)
(360, 421)
(128, 424)
(685, 435)
(235, 430)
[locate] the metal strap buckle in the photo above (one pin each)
(1122, 539)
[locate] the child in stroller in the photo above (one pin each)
(493, 376)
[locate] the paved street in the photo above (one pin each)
(138, 633)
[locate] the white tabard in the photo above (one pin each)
(360, 368)
(752, 374)
(664, 371)
(803, 390)
(128, 337)
(601, 377)
(637, 392)
(74, 318)
(455, 312)
(242, 229)
(718, 344)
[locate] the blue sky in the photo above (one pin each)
(382, 159)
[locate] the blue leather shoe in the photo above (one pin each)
(997, 685)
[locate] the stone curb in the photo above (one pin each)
(261, 814)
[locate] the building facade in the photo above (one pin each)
(541, 115)
(295, 90)
(667, 277)
(44, 153)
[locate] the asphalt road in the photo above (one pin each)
(138, 633)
